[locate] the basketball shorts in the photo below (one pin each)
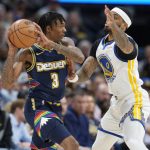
(121, 109)
(46, 120)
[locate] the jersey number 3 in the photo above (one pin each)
(55, 80)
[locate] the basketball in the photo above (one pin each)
(22, 33)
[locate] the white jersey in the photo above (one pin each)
(121, 74)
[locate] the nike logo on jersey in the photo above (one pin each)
(39, 53)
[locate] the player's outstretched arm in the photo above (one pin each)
(119, 35)
(87, 69)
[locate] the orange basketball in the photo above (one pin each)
(22, 33)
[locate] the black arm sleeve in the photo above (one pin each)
(125, 57)
(94, 48)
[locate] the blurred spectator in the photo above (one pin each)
(53, 6)
(76, 30)
(5, 130)
(69, 96)
(76, 121)
(147, 135)
(20, 9)
(144, 67)
(8, 95)
(93, 123)
(19, 90)
(85, 46)
(3, 28)
(97, 80)
(22, 85)
(64, 105)
(21, 137)
(103, 98)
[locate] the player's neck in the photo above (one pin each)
(51, 38)
(110, 37)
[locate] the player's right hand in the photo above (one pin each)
(110, 22)
(12, 49)
(42, 40)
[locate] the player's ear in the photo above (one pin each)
(124, 26)
(48, 29)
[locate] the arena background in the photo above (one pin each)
(85, 22)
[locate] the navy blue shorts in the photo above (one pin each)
(46, 120)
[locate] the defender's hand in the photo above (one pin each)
(110, 22)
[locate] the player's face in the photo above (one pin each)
(118, 20)
(58, 31)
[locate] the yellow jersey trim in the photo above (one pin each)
(33, 60)
(137, 93)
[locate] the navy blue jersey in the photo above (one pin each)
(47, 74)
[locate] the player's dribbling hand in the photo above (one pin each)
(12, 49)
(42, 40)
(110, 22)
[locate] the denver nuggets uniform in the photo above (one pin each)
(121, 73)
(47, 76)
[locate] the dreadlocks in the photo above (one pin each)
(48, 19)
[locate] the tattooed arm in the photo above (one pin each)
(68, 48)
(8, 71)
(87, 69)
(122, 40)
(13, 66)
(118, 34)
(90, 64)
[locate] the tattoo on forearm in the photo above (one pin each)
(71, 52)
(87, 69)
(120, 38)
(8, 72)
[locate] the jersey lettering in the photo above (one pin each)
(50, 65)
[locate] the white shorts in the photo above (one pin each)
(121, 109)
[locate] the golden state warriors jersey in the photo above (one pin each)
(120, 70)
(47, 74)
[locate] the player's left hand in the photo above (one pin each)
(72, 77)
(71, 68)
(110, 22)
(42, 40)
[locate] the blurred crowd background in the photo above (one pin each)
(84, 104)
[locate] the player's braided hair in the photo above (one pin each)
(48, 19)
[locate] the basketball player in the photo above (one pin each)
(117, 53)
(47, 71)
